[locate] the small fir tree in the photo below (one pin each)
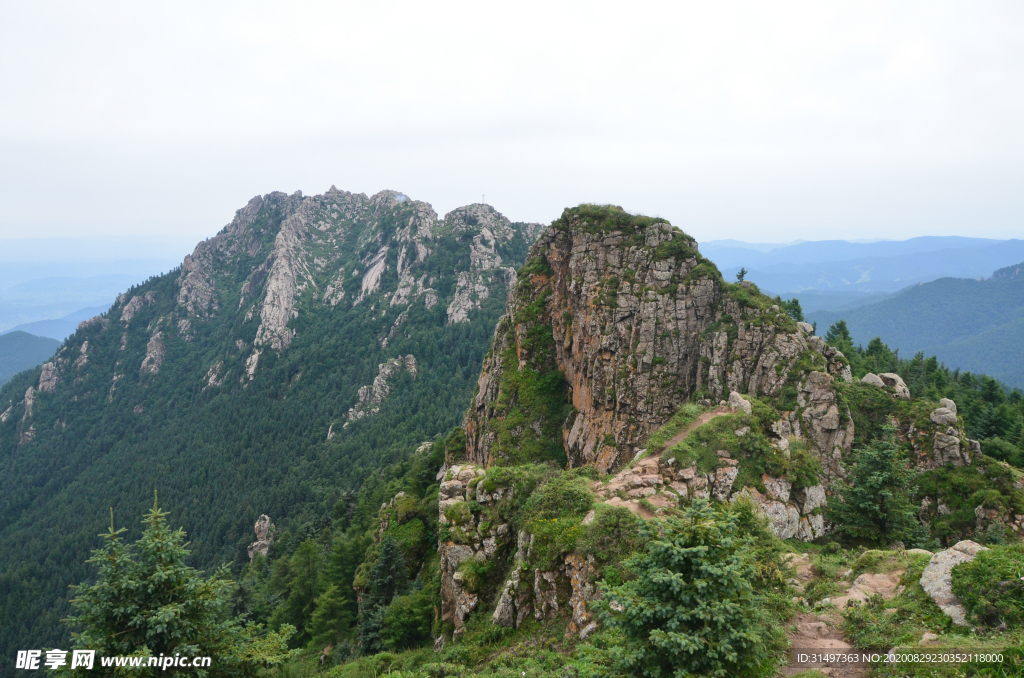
(387, 578)
(877, 495)
(741, 275)
(147, 602)
(690, 608)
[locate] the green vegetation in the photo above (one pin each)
(262, 443)
(877, 498)
(21, 351)
(146, 602)
(975, 324)
(991, 587)
(691, 606)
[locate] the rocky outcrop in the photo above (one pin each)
(468, 536)
(937, 578)
(638, 322)
(372, 395)
(155, 352)
(264, 537)
(823, 425)
(48, 378)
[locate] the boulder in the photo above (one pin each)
(937, 578)
(739, 403)
(806, 328)
(943, 416)
(873, 379)
(777, 488)
(948, 404)
(947, 450)
(895, 382)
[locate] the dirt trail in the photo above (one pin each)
(702, 419)
(817, 632)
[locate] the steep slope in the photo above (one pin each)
(309, 343)
(947, 318)
(21, 351)
(618, 342)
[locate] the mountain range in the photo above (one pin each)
(974, 325)
(430, 443)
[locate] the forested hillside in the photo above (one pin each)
(21, 351)
(968, 324)
(309, 344)
(627, 385)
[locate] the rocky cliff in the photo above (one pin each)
(636, 321)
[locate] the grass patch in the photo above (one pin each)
(684, 416)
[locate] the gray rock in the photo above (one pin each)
(943, 416)
(48, 378)
(873, 379)
(738, 402)
(948, 404)
(937, 578)
(895, 382)
(806, 328)
(264, 537)
(947, 450)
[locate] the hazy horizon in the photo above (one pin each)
(740, 120)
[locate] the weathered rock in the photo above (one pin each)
(581, 573)
(806, 328)
(943, 416)
(264, 537)
(371, 396)
(895, 382)
(628, 328)
(48, 378)
(155, 351)
(777, 488)
(724, 478)
(811, 498)
(873, 379)
(783, 519)
(867, 585)
(948, 404)
(947, 451)
(739, 404)
(937, 578)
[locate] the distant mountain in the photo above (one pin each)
(49, 278)
(59, 328)
(311, 342)
(21, 351)
(833, 275)
(976, 325)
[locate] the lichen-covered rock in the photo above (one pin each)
(937, 578)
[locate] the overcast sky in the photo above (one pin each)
(761, 121)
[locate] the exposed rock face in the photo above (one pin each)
(937, 578)
(822, 423)
(628, 311)
(264, 537)
(48, 378)
(944, 416)
(155, 351)
(370, 397)
(307, 256)
(470, 537)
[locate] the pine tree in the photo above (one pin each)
(387, 578)
(876, 502)
(691, 608)
(147, 602)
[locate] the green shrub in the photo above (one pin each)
(991, 587)
(564, 496)
(408, 620)
(876, 503)
(691, 606)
